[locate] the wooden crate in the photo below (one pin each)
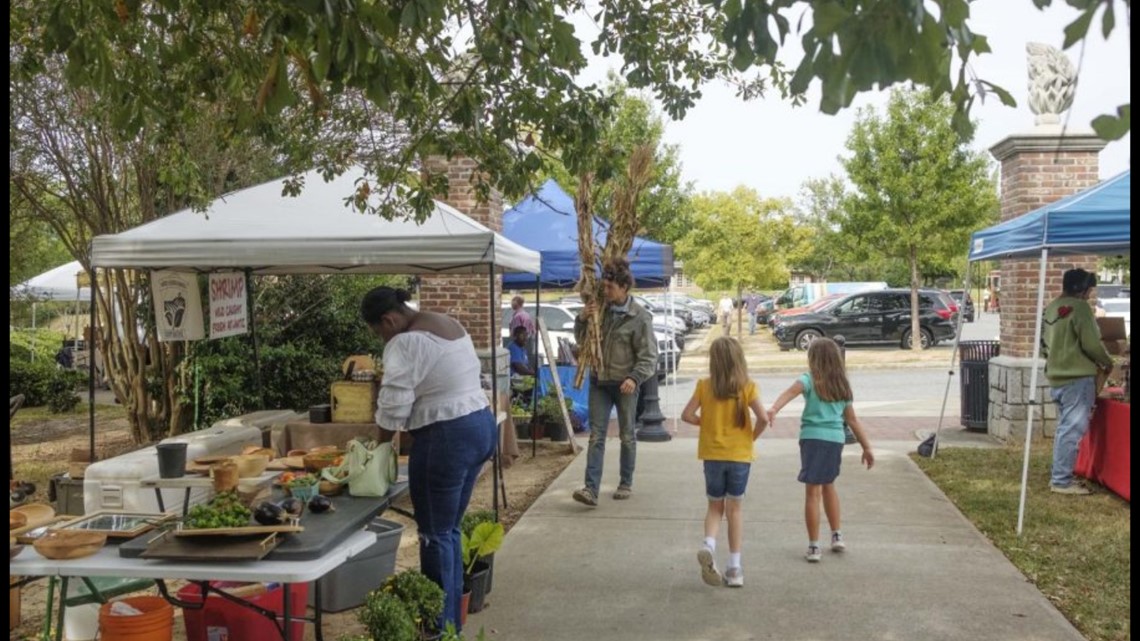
(353, 401)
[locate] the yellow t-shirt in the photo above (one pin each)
(721, 439)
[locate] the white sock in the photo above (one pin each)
(710, 543)
(734, 559)
(836, 533)
(813, 544)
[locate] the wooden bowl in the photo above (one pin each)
(251, 465)
(35, 513)
(315, 462)
(61, 545)
(327, 488)
(249, 450)
(17, 520)
(14, 548)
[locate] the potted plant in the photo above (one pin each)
(521, 416)
(485, 539)
(467, 527)
(387, 617)
(421, 596)
(549, 415)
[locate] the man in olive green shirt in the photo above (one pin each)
(1074, 353)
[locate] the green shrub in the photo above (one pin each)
(24, 341)
(61, 390)
(475, 517)
(387, 617)
(422, 596)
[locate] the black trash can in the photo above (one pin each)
(975, 382)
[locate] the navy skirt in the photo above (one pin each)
(819, 461)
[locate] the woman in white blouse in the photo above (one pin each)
(431, 387)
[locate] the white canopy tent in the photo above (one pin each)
(262, 231)
(60, 283)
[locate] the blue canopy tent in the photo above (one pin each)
(1094, 221)
(547, 222)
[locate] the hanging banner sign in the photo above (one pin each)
(228, 311)
(177, 306)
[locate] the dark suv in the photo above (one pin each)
(965, 302)
(871, 317)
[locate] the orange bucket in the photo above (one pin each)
(156, 623)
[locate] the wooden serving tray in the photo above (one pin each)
(172, 548)
(249, 530)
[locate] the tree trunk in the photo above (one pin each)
(915, 326)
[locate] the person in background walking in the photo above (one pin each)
(827, 405)
(725, 310)
(1073, 357)
(751, 304)
(719, 406)
(629, 358)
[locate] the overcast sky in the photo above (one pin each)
(773, 147)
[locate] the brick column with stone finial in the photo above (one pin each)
(1037, 168)
(465, 296)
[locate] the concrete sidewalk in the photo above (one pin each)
(915, 569)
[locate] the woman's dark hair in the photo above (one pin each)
(380, 301)
(617, 271)
(1077, 281)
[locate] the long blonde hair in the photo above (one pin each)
(828, 373)
(728, 373)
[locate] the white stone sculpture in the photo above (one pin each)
(1052, 81)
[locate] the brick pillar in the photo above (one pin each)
(1037, 168)
(465, 296)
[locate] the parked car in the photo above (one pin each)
(559, 324)
(780, 314)
(669, 344)
(1112, 290)
(868, 318)
(965, 303)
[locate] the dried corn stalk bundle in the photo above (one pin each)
(624, 225)
(590, 354)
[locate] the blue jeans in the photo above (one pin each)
(445, 461)
(603, 397)
(752, 322)
(1074, 410)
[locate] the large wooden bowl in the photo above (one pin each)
(61, 545)
(17, 520)
(317, 461)
(251, 465)
(35, 513)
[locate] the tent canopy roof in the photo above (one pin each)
(1094, 221)
(547, 221)
(59, 283)
(312, 233)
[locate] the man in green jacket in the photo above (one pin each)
(1074, 353)
(629, 358)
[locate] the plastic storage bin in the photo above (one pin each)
(67, 494)
(221, 620)
(347, 586)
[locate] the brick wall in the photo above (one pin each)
(1036, 171)
(463, 296)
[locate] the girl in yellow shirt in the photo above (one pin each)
(720, 407)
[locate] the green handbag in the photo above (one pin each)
(369, 468)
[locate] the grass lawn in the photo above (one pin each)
(1075, 549)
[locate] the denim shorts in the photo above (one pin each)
(726, 478)
(819, 461)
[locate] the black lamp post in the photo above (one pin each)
(650, 420)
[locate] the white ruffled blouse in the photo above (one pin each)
(428, 379)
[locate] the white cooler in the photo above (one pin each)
(113, 484)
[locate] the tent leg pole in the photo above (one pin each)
(1036, 349)
(493, 334)
(537, 366)
(953, 358)
(253, 335)
(91, 369)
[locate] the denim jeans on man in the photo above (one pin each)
(1074, 410)
(604, 395)
(445, 462)
(752, 322)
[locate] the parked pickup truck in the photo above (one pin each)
(808, 293)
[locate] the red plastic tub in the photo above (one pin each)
(221, 620)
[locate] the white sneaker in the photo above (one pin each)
(734, 578)
(709, 574)
(1075, 489)
(837, 544)
(813, 554)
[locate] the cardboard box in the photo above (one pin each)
(1116, 347)
(1111, 328)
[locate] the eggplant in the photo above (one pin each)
(269, 514)
(292, 506)
(320, 504)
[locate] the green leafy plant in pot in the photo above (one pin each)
(485, 539)
(471, 519)
(386, 616)
(549, 414)
(421, 596)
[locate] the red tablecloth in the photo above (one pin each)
(1106, 450)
